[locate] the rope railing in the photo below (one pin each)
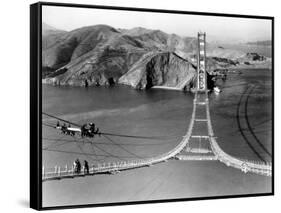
(244, 165)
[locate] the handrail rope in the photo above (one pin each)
(106, 143)
(121, 147)
(108, 133)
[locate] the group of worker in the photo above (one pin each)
(89, 130)
(65, 130)
(77, 166)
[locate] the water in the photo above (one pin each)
(165, 116)
(255, 115)
(260, 49)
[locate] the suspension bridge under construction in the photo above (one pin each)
(207, 147)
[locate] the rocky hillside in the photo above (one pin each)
(142, 58)
(100, 54)
(160, 69)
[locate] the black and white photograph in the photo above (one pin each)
(142, 105)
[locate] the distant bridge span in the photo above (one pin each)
(200, 101)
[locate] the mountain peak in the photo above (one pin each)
(98, 27)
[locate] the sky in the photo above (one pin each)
(221, 29)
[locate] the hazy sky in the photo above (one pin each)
(223, 29)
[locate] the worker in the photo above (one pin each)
(86, 167)
(83, 130)
(92, 127)
(63, 128)
(78, 166)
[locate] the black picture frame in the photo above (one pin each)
(36, 103)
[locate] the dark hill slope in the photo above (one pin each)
(159, 69)
(67, 48)
(71, 45)
(97, 68)
(110, 58)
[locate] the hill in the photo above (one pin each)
(139, 57)
(160, 69)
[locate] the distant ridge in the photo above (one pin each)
(49, 30)
(261, 43)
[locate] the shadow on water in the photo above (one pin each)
(241, 130)
(249, 125)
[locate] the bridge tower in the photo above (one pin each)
(201, 63)
(198, 146)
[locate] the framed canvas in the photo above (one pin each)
(134, 105)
